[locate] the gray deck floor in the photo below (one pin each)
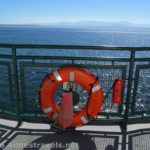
(41, 136)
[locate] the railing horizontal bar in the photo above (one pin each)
(5, 56)
(72, 58)
(74, 47)
(142, 59)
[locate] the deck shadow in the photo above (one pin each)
(72, 140)
(27, 139)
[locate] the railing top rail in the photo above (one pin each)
(79, 47)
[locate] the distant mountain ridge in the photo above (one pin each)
(94, 24)
(100, 24)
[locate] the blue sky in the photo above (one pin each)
(53, 11)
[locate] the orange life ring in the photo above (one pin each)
(71, 74)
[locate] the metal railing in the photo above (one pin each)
(22, 68)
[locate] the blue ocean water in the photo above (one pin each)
(101, 36)
(76, 36)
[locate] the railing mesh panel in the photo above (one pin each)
(143, 90)
(6, 99)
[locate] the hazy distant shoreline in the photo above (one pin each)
(83, 24)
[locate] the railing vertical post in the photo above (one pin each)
(129, 89)
(16, 83)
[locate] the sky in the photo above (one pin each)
(55, 11)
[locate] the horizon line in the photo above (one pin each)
(86, 23)
(74, 22)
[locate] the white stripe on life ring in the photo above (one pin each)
(48, 109)
(71, 76)
(96, 88)
(57, 76)
(84, 119)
